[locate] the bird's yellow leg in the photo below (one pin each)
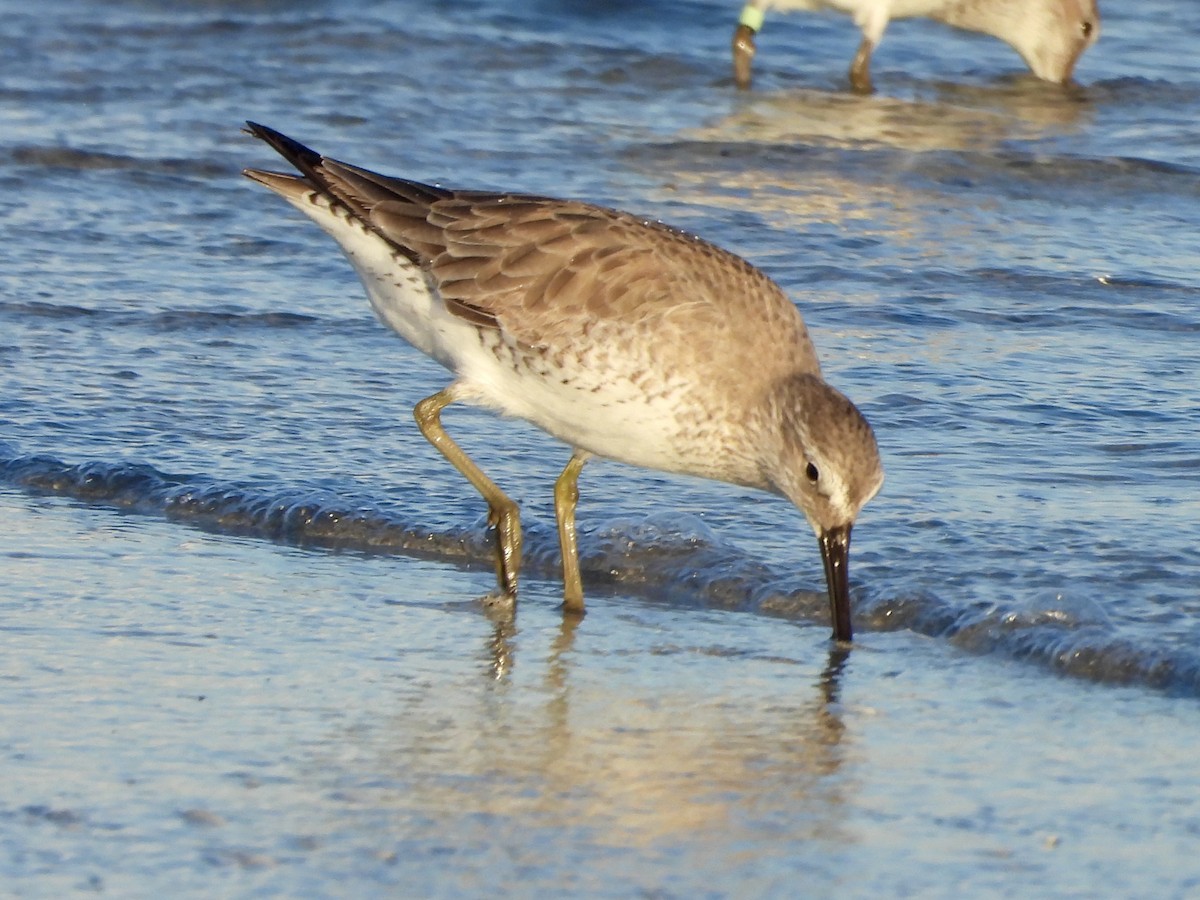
(503, 513)
(566, 496)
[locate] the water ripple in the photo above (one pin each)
(675, 560)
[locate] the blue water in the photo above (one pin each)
(214, 486)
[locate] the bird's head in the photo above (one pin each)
(825, 460)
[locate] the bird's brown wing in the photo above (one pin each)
(545, 271)
(549, 272)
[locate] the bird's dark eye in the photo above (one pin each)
(1087, 29)
(812, 472)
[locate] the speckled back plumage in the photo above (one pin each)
(545, 272)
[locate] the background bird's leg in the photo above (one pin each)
(749, 24)
(743, 56)
(860, 69)
(503, 513)
(566, 496)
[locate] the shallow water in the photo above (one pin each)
(243, 650)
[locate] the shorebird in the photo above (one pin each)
(1050, 35)
(624, 338)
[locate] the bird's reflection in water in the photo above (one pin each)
(499, 650)
(782, 157)
(591, 738)
(941, 117)
(827, 705)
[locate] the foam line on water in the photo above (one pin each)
(660, 559)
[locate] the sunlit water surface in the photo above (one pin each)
(243, 648)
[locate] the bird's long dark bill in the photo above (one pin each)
(835, 552)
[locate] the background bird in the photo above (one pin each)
(1050, 35)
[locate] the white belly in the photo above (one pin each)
(611, 408)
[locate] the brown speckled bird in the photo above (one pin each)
(623, 338)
